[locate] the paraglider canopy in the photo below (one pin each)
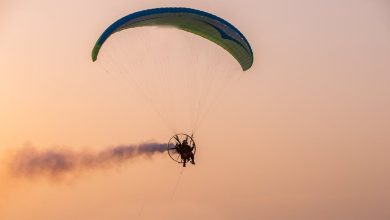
(194, 21)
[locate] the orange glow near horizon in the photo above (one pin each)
(302, 135)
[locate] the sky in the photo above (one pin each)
(304, 134)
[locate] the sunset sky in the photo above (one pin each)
(304, 134)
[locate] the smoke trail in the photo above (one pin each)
(57, 162)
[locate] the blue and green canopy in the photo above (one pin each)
(198, 22)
